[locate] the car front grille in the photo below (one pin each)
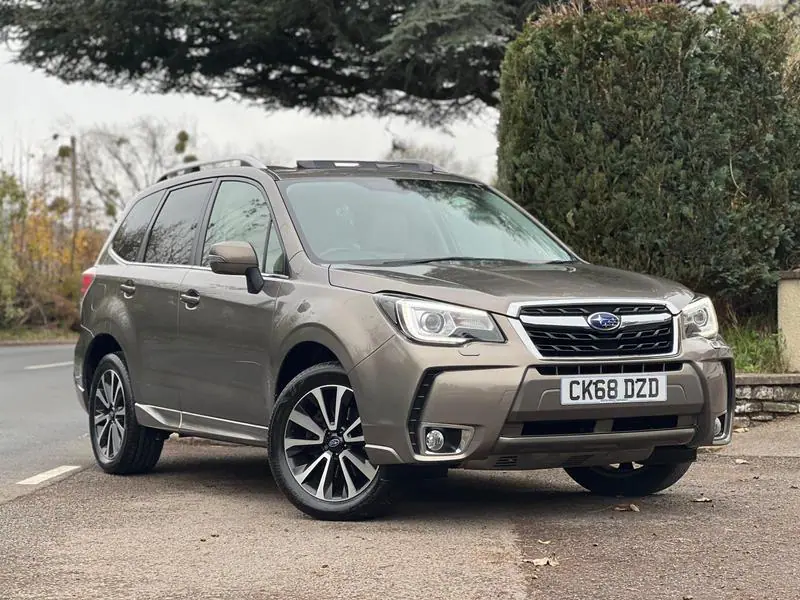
(563, 331)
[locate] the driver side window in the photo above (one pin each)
(240, 214)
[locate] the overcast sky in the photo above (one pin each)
(34, 106)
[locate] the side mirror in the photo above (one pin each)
(237, 258)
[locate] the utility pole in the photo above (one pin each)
(76, 204)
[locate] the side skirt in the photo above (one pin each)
(191, 424)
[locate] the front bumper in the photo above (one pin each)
(508, 401)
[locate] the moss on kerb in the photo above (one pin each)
(767, 379)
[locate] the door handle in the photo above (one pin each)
(128, 288)
(191, 298)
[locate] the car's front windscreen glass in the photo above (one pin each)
(385, 220)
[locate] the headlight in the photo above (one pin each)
(438, 323)
(700, 319)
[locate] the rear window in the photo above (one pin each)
(129, 236)
(172, 238)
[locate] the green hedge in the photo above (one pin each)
(661, 141)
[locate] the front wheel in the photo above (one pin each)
(628, 479)
(317, 451)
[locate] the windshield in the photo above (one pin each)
(384, 220)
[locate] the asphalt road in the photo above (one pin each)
(209, 523)
(41, 425)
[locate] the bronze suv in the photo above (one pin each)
(371, 321)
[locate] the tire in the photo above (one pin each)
(302, 451)
(134, 449)
(642, 481)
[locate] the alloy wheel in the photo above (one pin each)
(109, 415)
(324, 445)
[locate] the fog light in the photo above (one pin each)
(434, 440)
(718, 426)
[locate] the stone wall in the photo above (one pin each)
(765, 397)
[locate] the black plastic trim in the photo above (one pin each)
(420, 396)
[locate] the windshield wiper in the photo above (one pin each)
(423, 261)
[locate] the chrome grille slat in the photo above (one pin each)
(587, 309)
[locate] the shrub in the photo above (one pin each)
(9, 279)
(757, 347)
(659, 140)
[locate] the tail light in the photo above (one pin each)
(87, 278)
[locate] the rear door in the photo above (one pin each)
(227, 330)
(109, 306)
(152, 287)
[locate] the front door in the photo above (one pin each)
(225, 329)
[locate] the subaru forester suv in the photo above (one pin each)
(370, 321)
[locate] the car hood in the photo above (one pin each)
(493, 285)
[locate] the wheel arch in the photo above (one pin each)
(304, 351)
(101, 345)
(107, 337)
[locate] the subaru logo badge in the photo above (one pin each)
(603, 321)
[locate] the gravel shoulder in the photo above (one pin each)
(209, 523)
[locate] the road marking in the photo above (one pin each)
(50, 366)
(42, 477)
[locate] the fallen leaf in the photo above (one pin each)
(688, 597)
(702, 499)
(794, 487)
(741, 461)
(741, 429)
(545, 542)
(627, 507)
(542, 562)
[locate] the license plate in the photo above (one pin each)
(610, 389)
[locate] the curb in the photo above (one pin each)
(6, 343)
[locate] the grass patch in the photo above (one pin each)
(756, 348)
(33, 335)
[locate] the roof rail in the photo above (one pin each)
(244, 160)
(414, 165)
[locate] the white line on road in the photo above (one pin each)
(42, 477)
(50, 366)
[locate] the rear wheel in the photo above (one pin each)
(317, 450)
(120, 445)
(628, 479)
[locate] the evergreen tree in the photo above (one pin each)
(431, 60)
